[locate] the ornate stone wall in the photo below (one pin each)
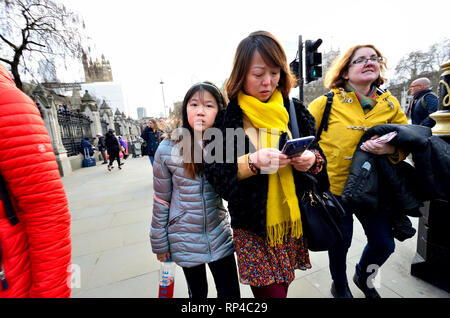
(101, 119)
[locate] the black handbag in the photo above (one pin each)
(321, 212)
(321, 215)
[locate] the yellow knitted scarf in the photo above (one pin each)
(282, 210)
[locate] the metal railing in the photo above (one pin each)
(74, 127)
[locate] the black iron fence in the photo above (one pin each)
(104, 124)
(74, 127)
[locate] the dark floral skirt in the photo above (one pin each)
(261, 264)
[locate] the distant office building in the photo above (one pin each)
(141, 112)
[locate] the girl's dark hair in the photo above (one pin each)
(272, 53)
(192, 168)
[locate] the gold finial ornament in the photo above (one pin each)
(442, 116)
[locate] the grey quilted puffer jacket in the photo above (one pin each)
(195, 229)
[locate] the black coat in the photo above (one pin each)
(111, 143)
(247, 198)
(375, 185)
(152, 138)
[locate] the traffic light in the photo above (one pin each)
(313, 60)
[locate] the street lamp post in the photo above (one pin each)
(164, 100)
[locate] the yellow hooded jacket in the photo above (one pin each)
(346, 125)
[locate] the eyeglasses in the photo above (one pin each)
(362, 60)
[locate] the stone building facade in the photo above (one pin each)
(87, 119)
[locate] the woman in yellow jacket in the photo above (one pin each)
(358, 104)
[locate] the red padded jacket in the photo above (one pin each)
(36, 252)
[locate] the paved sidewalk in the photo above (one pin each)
(111, 253)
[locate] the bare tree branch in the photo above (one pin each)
(32, 28)
(8, 42)
(5, 60)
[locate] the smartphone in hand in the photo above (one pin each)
(296, 146)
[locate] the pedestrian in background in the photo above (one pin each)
(152, 137)
(123, 147)
(423, 103)
(264, 208)
(358, 104)
(102, 147)
(35, 243)
(86, 147)
(190, 224)
(113, 148)
(162, 125)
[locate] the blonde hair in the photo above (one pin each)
(334, 76)
(155, 124)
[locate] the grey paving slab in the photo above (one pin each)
(302, 288)
(121, 264)
(90, 224)
(82, 268)
(112, 257)
(96, 242)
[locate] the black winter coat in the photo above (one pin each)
(375, 185)
(247, 198)
(152, 138)
(112, 144)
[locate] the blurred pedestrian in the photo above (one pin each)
(35, 243)
(102, 147)
(123, 147)
(162, 125)
(113, 148)
(86, 147)
(152, 136)
(423, 103)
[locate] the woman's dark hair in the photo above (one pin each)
(192, 168)
(272, 53)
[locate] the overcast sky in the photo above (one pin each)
(184, 42)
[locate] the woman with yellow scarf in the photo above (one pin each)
(263, 187)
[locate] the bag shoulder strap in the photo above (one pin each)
(7, 205)
(293, 119)
(422, 99)
(326, 114)
(381, 91)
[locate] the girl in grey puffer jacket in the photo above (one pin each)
(190, 224)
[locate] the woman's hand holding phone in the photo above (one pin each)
(269, 159)
(304, 161)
